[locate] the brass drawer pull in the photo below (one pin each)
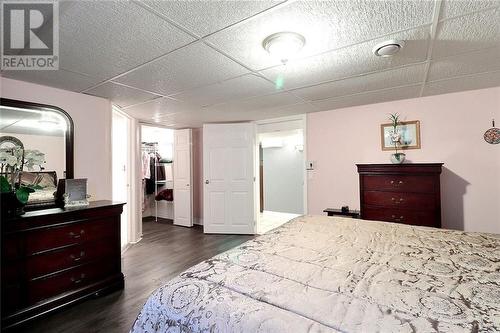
(400, 219)
(76, 235)
(78, 280)
(78, 258)
(397, 201)
(393, 182)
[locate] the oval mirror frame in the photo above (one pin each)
(69, 136)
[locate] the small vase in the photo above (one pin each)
(10, 206)
(398, 158)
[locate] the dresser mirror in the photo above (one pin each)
(38, 140)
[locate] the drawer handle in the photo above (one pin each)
(393, 182)
(78, 280)
(397, 201)
(75, 235)
(76, 258)
(400, 219)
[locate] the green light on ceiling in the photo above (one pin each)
(279, 82)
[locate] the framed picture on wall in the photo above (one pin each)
(409, 132)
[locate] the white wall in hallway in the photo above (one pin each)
(283, 179)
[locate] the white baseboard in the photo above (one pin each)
(126, 247)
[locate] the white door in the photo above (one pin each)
(120, 175)
(228, 171)
(183, 179)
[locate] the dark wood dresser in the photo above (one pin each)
(54, 257)
(402, 193)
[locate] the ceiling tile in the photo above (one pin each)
(192, 118)
(452, 8)
(326, 25)
(121, 95)
(239, 115)
(467, 33)
(205, 17)
(480, 81)
(160, 107)
(349, 61)
(468, 63)
(190, 67)
(372, 97)
(106, 38)
(258, 103)
(58, 79)
(237, 88)
(198, 118)
(380, 80)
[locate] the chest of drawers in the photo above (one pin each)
(404, 193)
(52, 258)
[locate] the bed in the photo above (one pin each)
(44, 196)
(334, 274)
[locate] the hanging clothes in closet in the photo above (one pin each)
(155, 175)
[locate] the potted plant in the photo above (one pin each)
(396, 158)
(15, 195)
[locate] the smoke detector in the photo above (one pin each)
(388, 48)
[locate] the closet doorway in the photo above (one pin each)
(157, 149)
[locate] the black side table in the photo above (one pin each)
(338, 212)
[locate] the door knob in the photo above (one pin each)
(187, 184)
(207, 182)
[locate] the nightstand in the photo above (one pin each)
(337, 212)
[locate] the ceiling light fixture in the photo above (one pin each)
(283, 45)
(388, 48)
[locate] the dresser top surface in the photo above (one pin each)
(408, 168)
(57, 211)
(399, 165)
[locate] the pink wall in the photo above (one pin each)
(452, 128)
(198, 175)
(92, 119)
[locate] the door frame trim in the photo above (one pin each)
(130, 168)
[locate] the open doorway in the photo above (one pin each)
(281, 174)
(157, 174)
(157, 146)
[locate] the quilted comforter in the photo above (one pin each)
(331, 274)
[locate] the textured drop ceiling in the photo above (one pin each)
(185, 63)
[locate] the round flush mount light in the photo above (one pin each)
(388, 48)
(283, 45)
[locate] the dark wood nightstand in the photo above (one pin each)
(337, 212)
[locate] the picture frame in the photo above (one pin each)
(410, 135)
(73, 193)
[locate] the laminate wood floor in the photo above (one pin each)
(165, 251)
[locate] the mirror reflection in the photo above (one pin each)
(33, 151)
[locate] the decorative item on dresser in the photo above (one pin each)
(403, 193)
(340, 212)
(55, 257)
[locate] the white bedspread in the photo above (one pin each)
(331, 274)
